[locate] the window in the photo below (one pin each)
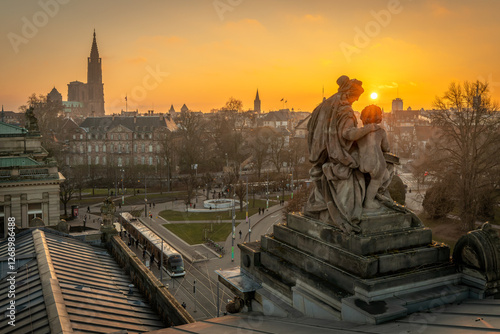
(119, 161)
(111, 137)
(126, 136)
(127, 161)
(81, 136)
(135, 148)
(34, 211)
(81, 148)
(104, 148)
(89, 160)
(158, 148)
(97, 160)
(143, 148)
(143, 159)
(90, 148)
(150, 161)
(119, 149)
(74, 136)
(96, 148)
(104, 160)
(127, 148)
(150, 136)
(150, 148)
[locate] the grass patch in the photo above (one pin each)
(172, 215)
(194, 233)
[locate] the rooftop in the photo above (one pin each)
(63, 284)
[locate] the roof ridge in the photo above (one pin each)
(57, 313)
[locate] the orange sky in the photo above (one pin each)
(215, 49)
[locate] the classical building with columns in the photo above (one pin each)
(29, 180)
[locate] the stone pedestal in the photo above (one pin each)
(391, 269)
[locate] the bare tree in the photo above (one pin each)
(190, 143)
(67, 192)
(278, 150)
(259, 144)
(233, 105)
(467, 149)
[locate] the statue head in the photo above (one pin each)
(371, 114)
(350, 88)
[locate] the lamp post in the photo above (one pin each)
(247, 219)
(232, 239)
(267, 191)
(145, 195)
(123, 181)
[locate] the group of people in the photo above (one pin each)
(261, 211)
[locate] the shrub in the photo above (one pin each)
(397, 190)
(437, 201)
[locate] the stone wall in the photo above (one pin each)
(157, 294)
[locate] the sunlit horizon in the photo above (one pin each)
(290, 51)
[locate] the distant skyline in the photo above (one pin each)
(201, 53)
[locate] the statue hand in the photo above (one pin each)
(373, 127)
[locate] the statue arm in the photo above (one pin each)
(385, 142)
(354, 133)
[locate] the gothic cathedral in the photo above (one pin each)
(90, 95)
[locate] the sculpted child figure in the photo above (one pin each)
(371, 156)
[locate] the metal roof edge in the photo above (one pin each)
(57, 314)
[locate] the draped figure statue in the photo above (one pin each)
(339, 184)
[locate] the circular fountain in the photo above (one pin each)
(220, 203)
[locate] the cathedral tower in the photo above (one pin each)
(95, 87)
(256, 103)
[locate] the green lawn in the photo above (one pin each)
(194, 233)
(172, 215)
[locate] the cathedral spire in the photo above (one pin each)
(256, 103)
(94, 52)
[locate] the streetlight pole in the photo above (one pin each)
(247, 219)
(267, 191)
(145, 195)
(123, 191)
(232, 239)
(161, 262)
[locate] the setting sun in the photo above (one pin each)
(373, 95)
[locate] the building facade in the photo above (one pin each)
(29, 181)
(119, 140)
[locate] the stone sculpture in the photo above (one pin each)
(335, 146)
(108, 210)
